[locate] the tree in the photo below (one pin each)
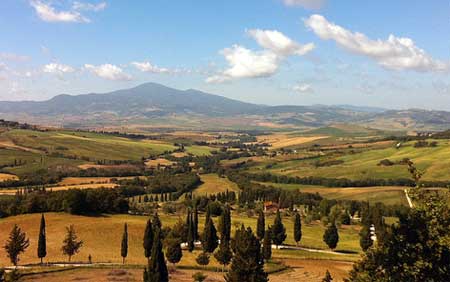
(157, 268)
(156, 222)
(209, 240)
(267, 245)
(261, 225)
(297, 228)
(278, 230)
(365, 240)
(191, 235)
(203, 259)
(327, 277)
(331, 236)
(173, 251)
(124, 245)
(42, 244)
(195, 223)
(16, 244)
(248, 263)
(148, 239)
(224, 253)
(199, 277)
(70, 244)
(225, 224)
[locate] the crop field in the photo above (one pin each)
(102, 236)
(433, 161)
(284, 140)
(389, 195)
(213, 184)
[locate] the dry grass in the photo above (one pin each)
(284, 140)
(159, 161)
(86, 166)
(63, 188)
(84, 180)
(7, 176)
(213, 184)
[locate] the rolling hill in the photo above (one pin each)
(158, 105)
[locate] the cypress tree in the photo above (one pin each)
(148, 239)
(124, 245)
(209, 240)
(208, 213)
(278, 230)
(157, 268)
(248, 263)
(297, 228)
(191, 236)
(225, 224)
(16, 244)
(261, 225)
(42, 240)
(331, 236)
(203, 259)
(195, 223)
(267, 245)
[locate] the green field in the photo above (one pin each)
(213, 184)
(433, 161)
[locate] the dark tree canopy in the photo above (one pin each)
(297, 228)
(331, 236)
(261, 225)
(210, 239)
(148, 239)
(248, 263)
(124, 244)
(70, 244)
(278, 230)
(42, 240)
(157, 268)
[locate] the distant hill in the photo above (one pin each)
(158, 105)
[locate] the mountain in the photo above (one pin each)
(157, 105)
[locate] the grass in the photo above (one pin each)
(434, 161)
(389, 195)
(213, 184)
(102, 236)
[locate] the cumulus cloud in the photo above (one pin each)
(246, 63)
(81, 6)
(303, 88)
(148, 67)
(308, 4)
(279, 43)
(48, 13)
(397, 53)
(108, 71)
(56, 68)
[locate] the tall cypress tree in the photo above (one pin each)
(278, 230)
(261, 225)
(148, 239)
(209, 240)
(156, 222)
(195, 223)
(225, 224)
(248, 263)
(124, 245)
(191, 236)
(42, 240)
(157, 268)
(297, 228)
(267, 245)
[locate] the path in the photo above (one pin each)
(408, 198)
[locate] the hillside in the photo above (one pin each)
(153, 105)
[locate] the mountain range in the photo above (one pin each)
(158, 105)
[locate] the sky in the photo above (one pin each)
(392, 54)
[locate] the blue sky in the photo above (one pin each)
(393, 54)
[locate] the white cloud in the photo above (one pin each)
(3, 66)
(246, 63)
(80, 6)
(308, 4)
(303, 88)
(148, 67)
(108, 71)
(57, 68)
(395, 53)
(48, 13)
(279, 43)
